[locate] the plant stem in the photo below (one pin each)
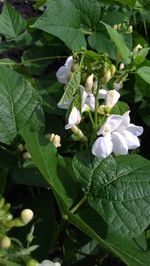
(32, 60)
(145, 29)
(77, 206)
(91, 118)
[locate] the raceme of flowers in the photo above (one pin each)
(117, 134)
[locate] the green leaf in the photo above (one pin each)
(120, 108)
(144, 73)
(89, 12)
(65, 24)
(11, 22)
(117, 38)
(72, 87)
(44, 156)
(117, 189)
(140, 56)
(102, 44)
(90, 222)
(130, 3)
(18, 101)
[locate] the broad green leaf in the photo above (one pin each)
(65, 24)
(89, 12)
(72, 87)
(44, 156)
(117, 189)
(18, 101)
(11, 22)
(144, 73)
(102, 44)
(120, 44)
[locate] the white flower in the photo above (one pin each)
(74, 118)
(112, 98)
(66, 104)
(64, 71)
(87, 100)
(117, 135)
(118, 86)
(48, 263)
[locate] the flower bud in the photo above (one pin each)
(121, 66)
(137, 48)
(112, 98)
(26, 155)
(118, 86)
(115, 27)
(32, 262)
(55, 139)
(78, 132)
(20, 147)
(107, 76)
(89, 84)
(74, 67)
(69, 75)
(112, 69)
(104, 110)
(26, 216)
(130, 29)
(5, 242)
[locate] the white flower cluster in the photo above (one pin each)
(117, 134)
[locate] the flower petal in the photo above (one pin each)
(90, 101)
(112, 122)
(102, 93)
(112, 98)
(74, 118)
(125, 121)
(61, 74)
(69, 62)
(119, 143)
(131, 140)
(102, 147)
(135, 130)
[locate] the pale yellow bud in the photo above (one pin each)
(89, 84)
(112, 69)
(107, 76)
(112, 98)
(121, 66)
(115, 27)
(69, 76)
(104, 110)
(26, 216)
(130, 29)
(55, 139)
(137, 48)
(5, 242)
(20, 147)
(78, 133)
(26, 155)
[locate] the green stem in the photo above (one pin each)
(75, 208)
(145, 29)
(96, 106)
(32, 60)
(91, 118)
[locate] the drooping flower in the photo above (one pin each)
(63, 72)
(74, 118)
(117, 135)
(112, 98)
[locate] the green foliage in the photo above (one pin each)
(19, 100)
(79, 200)
(11, 22)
